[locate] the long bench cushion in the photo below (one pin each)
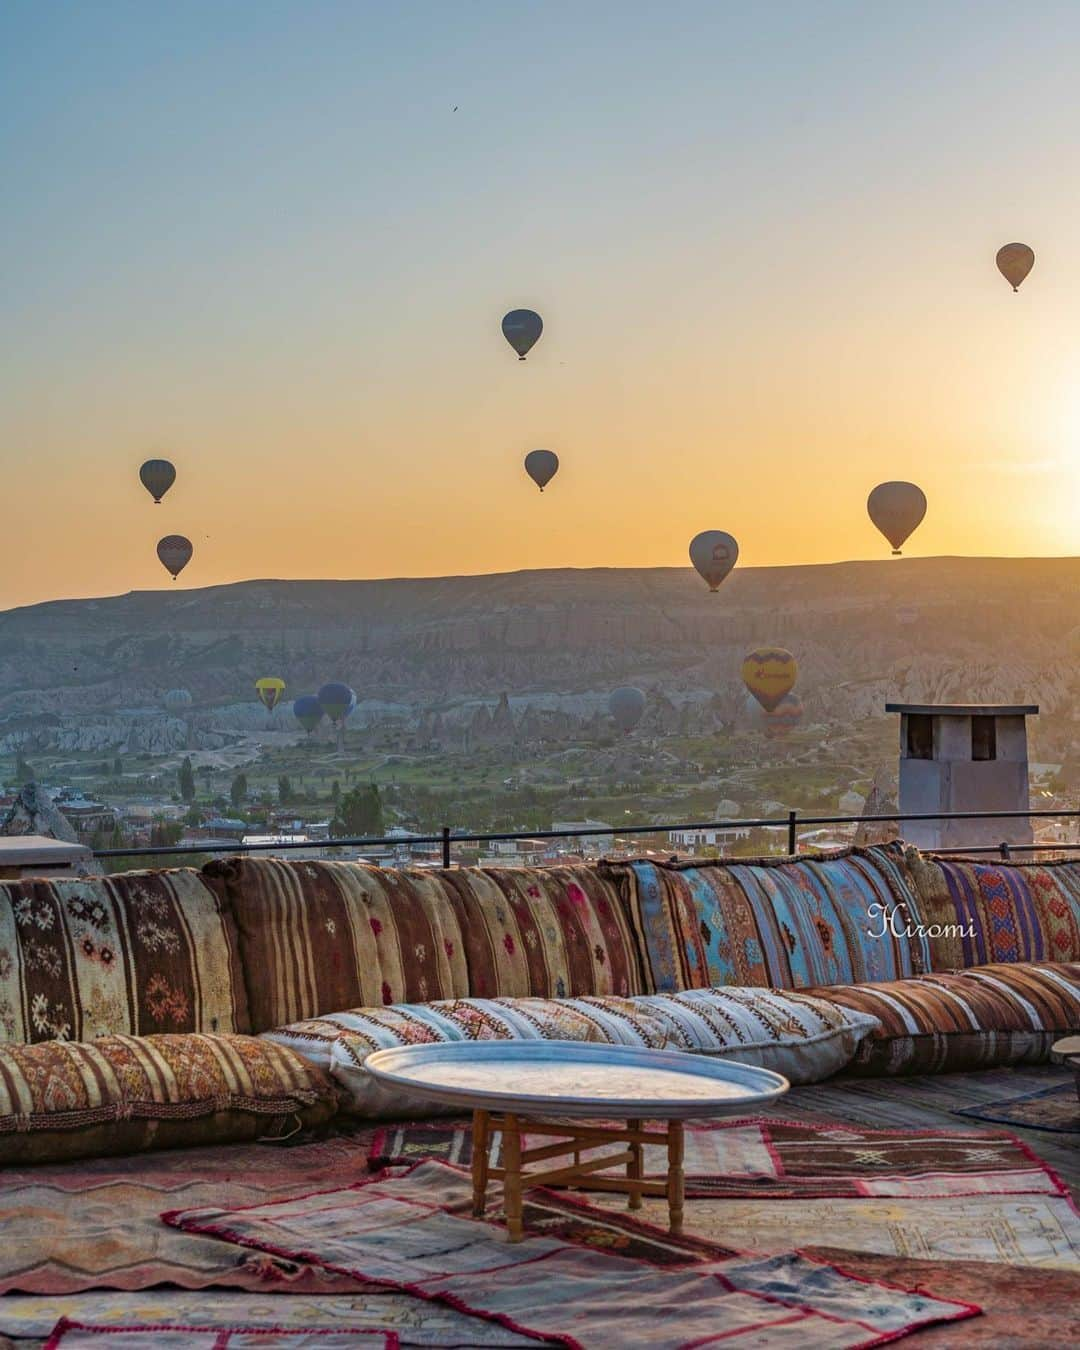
(130, 954)
(780, 923)
(977, 912)
(124, 1094)
(316, 936)
(804, 1038)
(544, 932)
(340, 1044)
(982, 1018)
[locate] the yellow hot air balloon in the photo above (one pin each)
(270, 690)
(1014, 262)
(770, 673)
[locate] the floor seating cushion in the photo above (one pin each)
(317, 936)
(980, 912)
(780, 923)
(123, 1094)
(544, 932)
(341, 1043)
(132, 954)
(804, 1038)
(988, 1017)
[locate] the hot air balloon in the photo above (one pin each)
(175, 553)
(157, 477)
(522, 328)
(626, 706)
(269, 690)
(714, 553)
(896, 509)
(541, 466)
(785, 717)
(770, 673)
(337, 702)
(308, 711)
(175, 700)
(1014, 262)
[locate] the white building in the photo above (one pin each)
(587, 843)
(723, 840)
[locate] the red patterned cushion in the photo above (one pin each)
(123, 1094)
(997, 911)
(976, 1019)
(135, 953)
(549, 932)
(316, 937)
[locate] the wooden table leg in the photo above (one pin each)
(481, 1142)
(511, 1155)
(635, 1168)
(675, 1181)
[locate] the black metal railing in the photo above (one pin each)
(792, 823)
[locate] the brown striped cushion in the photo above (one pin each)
(316, 936)
(975, 1019)
(545, 932)
(997, 911)
(131, 954)
(123, 1094)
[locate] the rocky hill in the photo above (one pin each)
(987, 629)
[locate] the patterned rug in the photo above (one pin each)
(1055, 1108)
(96, 1224)
(785, 1160)
(79, 1336)
(580, 1278)
(1021, 1230)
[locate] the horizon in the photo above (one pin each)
(762, 244)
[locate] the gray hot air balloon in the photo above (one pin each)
(1014, 262)
(157, 477)
(714, 553)
(541, 466)
(176, 700)
(626, 706)
(175, 553)
(896, 509)
(522, 328)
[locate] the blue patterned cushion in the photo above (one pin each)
(779, 923)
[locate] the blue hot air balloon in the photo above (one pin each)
(337, 701)
(308, 711)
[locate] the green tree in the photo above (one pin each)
(335, 794)
(238, 791)
(24, 772)
(118, 767)
(284, 790)
(187, 781)
(360, 813)
(165, 833)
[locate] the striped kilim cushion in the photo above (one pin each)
(340, 1044)
(548, 932)
(980, 911)
(123, 1094)
(319, 936)
(784, 924)
(132, 954)
(975, 1019)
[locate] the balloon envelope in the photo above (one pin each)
(1014, 262)
(337, 701)
(770, 673)
(157, 477)
(308, 711)
(269, 690)
(541, 466)
(626, 706)
(714, 553)
(521, 328)
(896, 509)
(177, 699)
(175, 553)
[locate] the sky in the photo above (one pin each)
(258, 240)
